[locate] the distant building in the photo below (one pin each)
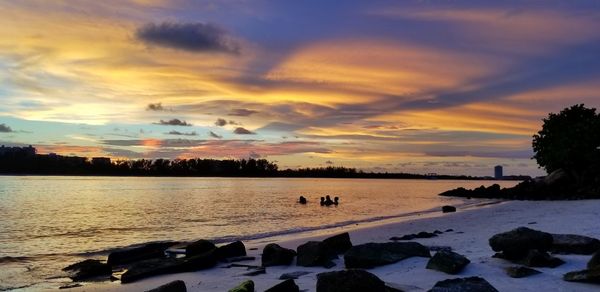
(22, 151)
(498, 172)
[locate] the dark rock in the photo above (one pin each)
(378, 254)
(474, 284)
(138, 253)
(586, 276)
(203, 261)
(449, 230)
(149, 268)
(256, 272)
(88, 269)
(199, 247)
(448, 262)
(448, 209)
(175, 286)
(424, 234)
(339, 243)
(234, 249)
(517, 242)
(293, 275)
(246, 286)
(521, 272)
(156, 267)
(421, 234)
(404, 237)
(314, 253)
(557, 177)
(536, 258)
(594, 261)
(285, 286)
(275, 255)
(574, 244)
(69, 286)
(349, 281)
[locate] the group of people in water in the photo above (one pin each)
(325, 201)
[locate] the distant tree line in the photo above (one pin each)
(21, 160)
(25, 160)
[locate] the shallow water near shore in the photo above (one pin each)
(50, 222)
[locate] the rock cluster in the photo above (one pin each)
(322, 253)
(558, 185)
(524, 246)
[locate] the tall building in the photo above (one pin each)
(498, 172)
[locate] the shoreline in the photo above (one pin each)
(442, 178)
(472, 229)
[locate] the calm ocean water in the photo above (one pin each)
(49, 222)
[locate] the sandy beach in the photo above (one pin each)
(471, 231)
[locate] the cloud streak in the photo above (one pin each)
(155, 107)
(177, 133)
(174, 122)
(243, 131)
(192, 37)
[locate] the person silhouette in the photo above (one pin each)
(322, 201)
(302, 200)
(328, 201)
(335, 201)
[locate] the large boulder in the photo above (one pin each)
(246, 286)
(285, 286)
(448, 262)
(88, 269)
(138, 253)
(149, 268)
(586, 276)
(594, 262)
(574, 244)
(199, 247)
(234, 249)
(541, 259)
(557, 178)
(493, 191)
(275, 255)
(339, 243)
(370, 255)
(315, 253)
(534, 258)
(175, 286)
(154, 267)
(474, 284)
(516, 243)
(349, 281)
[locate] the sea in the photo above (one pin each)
(49, 222)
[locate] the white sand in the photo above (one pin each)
(472, 229)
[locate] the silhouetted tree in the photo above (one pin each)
(569, 140)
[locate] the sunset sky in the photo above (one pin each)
(452, 87)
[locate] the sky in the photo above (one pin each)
(450, 87)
